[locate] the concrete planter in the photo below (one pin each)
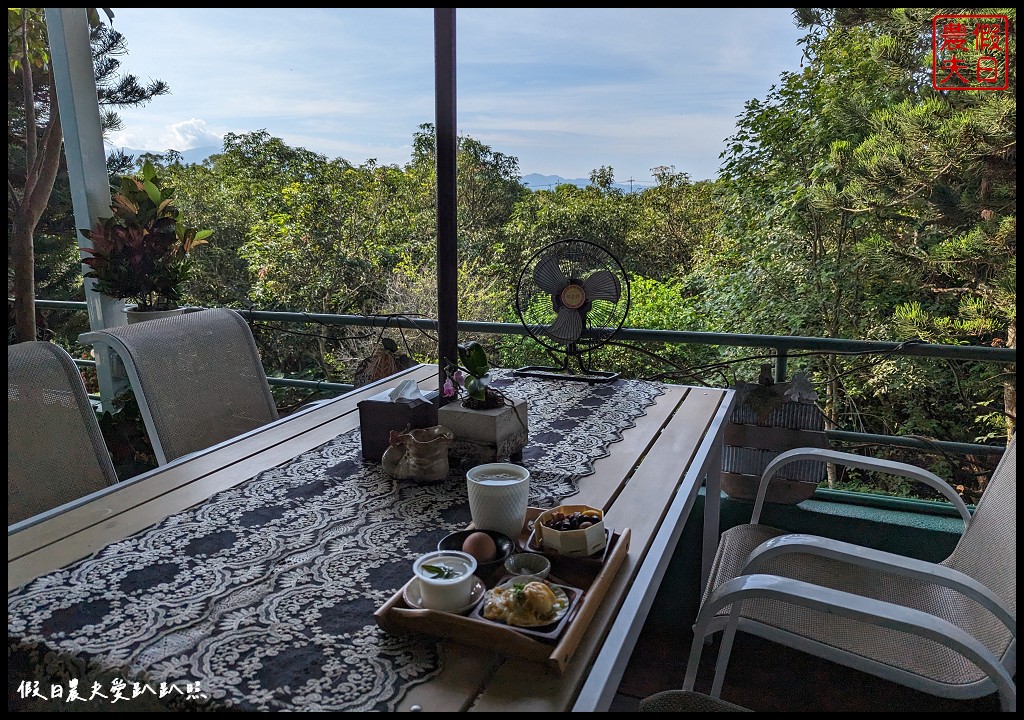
(137, 316)
(487, 435)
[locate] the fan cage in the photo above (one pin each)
(537, 307)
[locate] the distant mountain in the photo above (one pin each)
(195, 156)
(536, 181)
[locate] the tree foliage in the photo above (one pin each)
(35, 146)
(868, 205)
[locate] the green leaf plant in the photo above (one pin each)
(473, 377)
(142, 253)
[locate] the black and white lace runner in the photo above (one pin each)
(265, 593)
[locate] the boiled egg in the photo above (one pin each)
(481, 546)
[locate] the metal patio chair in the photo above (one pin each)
(945, 628)
(55, 449)
(687, 701)
(197, 377)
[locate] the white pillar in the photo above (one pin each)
(71, 62)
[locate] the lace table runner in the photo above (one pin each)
(266, 592)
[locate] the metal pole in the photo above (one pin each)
(781, 368)
(446, 148)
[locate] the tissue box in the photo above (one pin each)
(379, 415)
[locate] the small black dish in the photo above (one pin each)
(502, 541)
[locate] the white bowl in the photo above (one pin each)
(528, 563)
(447, 593)
(413, 595)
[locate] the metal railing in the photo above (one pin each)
(780, 345)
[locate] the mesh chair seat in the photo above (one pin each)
(687, 701)
(198, 378)
(985, 554)
(55, 448)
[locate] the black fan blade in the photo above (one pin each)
(548, 276)
(567, 327)
(602, 285)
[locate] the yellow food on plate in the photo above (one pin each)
(533, 603)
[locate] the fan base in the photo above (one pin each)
(553, 373)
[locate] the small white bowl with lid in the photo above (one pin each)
(446, 579)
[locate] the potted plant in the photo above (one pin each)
(767, 418)
(143, 252)
(489, 426)
(473, 376)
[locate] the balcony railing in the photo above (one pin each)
(779, 345)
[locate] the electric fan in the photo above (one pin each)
(572, 297)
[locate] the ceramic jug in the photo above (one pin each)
(420, 454)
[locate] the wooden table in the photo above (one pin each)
(648, 483)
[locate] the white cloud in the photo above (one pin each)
(563, 90)
(180, 136)
(190, 134)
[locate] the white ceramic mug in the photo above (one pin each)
(498, 496)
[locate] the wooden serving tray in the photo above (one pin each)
(395, 616)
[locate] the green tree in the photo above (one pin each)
(939, 168)
(327, 240)
(297, 231)
(843, 182)
(603, 178)
(603, 215)
(677, 224)
(35, 138)
(488, 187)
(234, 192)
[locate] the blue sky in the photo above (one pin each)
(564, 90)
